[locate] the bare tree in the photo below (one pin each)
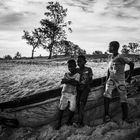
(53, 27)
(33, 39)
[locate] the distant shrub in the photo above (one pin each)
(17, 55)
(7, 57)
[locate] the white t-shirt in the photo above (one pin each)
(117, 67)
(68, 88)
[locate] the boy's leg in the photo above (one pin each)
(81, 113)
(82, 103)
(70, 117)
(59, 117)
(125, 117)
(106, 106)
(124, 107)
(110, 85)
(123, 99)
(63, 104)
(72, 109)
(107, 117)
(78, 96)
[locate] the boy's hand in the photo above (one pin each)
(64, 81)
(128, 80)
(71, 82)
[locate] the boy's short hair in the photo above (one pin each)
(72, 61)
(115, 44)
(83, 57)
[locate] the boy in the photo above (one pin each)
(116, 79)
(83, 88)
(68, 97)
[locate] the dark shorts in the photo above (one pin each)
(82, 96)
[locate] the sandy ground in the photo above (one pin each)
(109, 131)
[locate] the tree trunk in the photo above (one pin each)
(50, 51)
(50, 55)
(33, 50)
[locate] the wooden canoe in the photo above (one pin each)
(39, 109)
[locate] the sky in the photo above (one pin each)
(94, 23)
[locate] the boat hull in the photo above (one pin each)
(35, 113)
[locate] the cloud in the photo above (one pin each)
(11, 18)
(17, 15)
(127, 29)
(3, 6)
(35, 2)
(84, 5)
(94, 22)
(123, 9)
(14, 21)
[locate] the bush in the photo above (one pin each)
(17, 55)
(7, 57)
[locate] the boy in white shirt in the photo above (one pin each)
(69, 92)
(116, 79)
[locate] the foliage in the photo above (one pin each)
(53, 27)
(125, 49)
(17, 55)
(7, 57)
(106, 53)
(97, 52)
(132, 48)
(33, 39)
(52, 30)
(68, 48)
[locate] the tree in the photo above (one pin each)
(81, 51)
(97, 52)
(125, 49)
(17, 55)
(106, 53)
(8, 57)
(68, 48)
(33, 39)
(53, 27)
(133, 48)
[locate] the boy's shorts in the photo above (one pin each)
(119, 85)
(68, 99)
(82, 96)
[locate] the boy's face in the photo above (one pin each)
(71, 67)
(81, 62)
(112, 49)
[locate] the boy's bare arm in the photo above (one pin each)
(90, 76)
(131, 64)
(108, 74)
(71, 82)
(64, 81)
